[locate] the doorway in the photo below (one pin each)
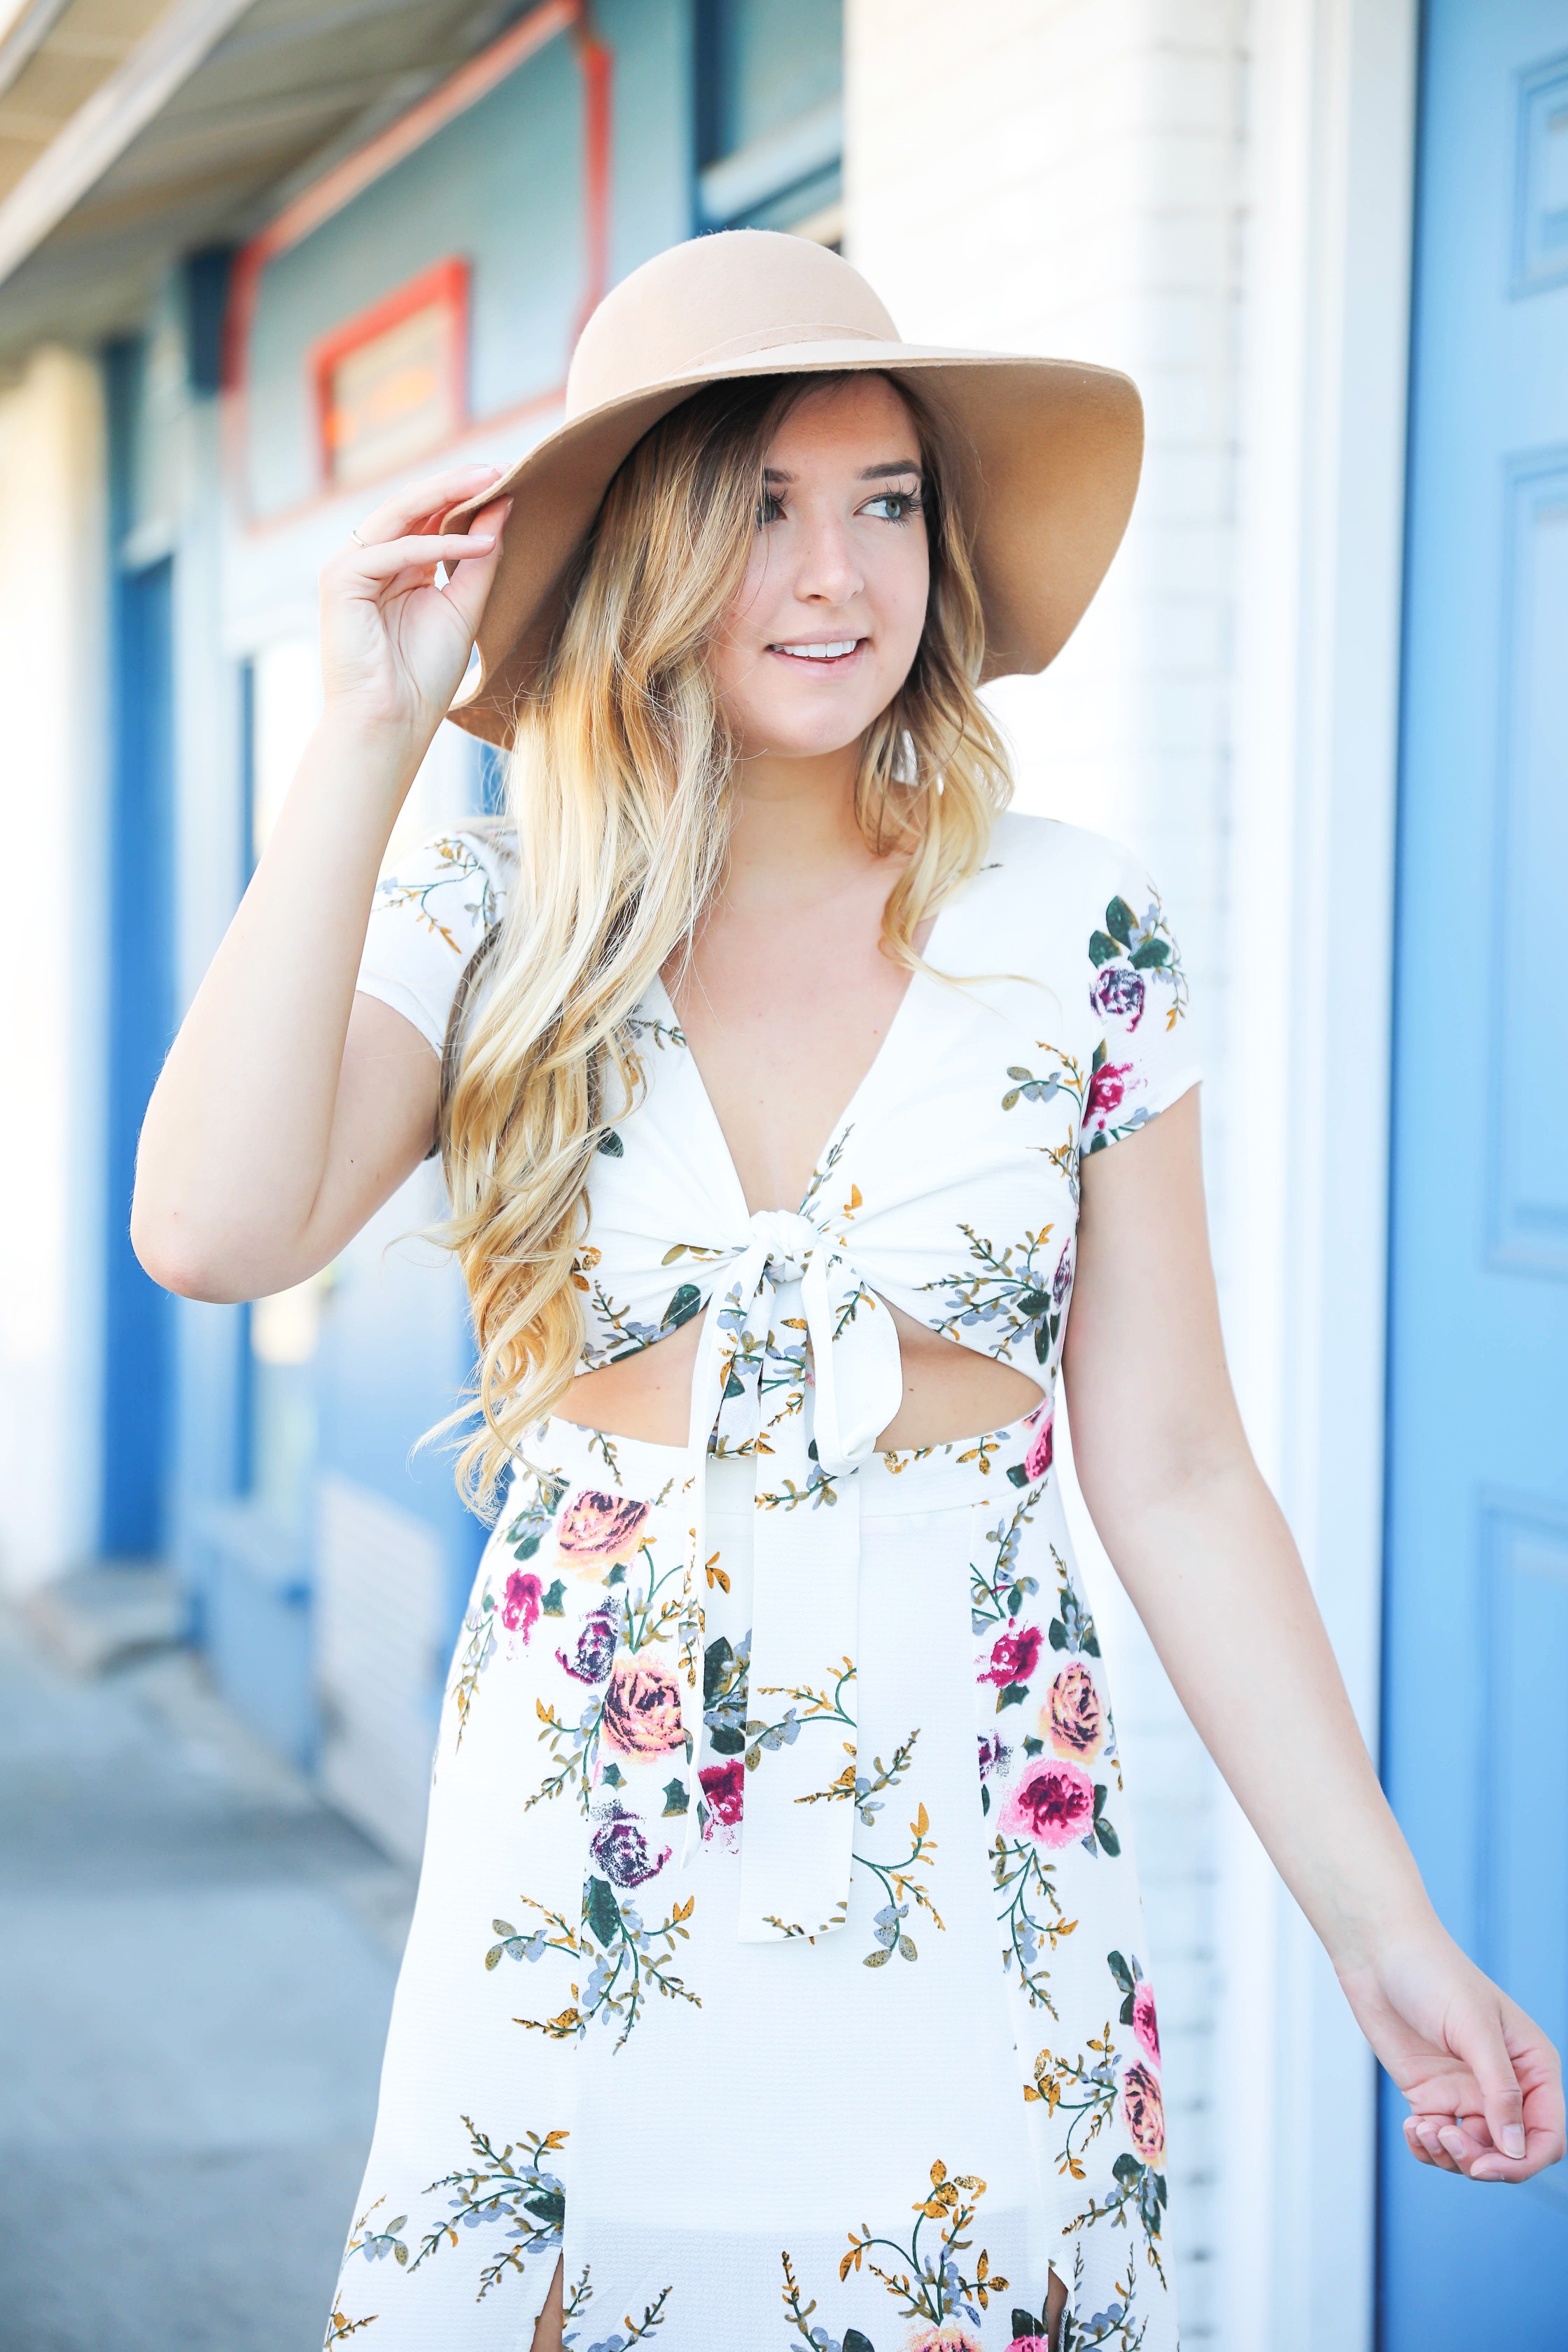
(1476, 1643)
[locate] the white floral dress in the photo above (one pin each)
(778, 1961)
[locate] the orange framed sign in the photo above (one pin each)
(392, 383)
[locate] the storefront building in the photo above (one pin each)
(1320, 693)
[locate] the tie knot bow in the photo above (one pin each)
(789, 1241)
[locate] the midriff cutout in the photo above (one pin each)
(950, 1391)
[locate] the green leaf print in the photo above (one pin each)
(683, 1304)
(601, 1911)
(610, 1144)
(675, 1798)
(508, 2185)
(1103, 950)
(1121, 921)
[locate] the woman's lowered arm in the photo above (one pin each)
(1204, 1553)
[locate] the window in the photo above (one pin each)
(770, 115)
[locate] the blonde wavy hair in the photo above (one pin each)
(619, 792)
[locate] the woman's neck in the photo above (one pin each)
(794, 833)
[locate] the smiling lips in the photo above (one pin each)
(832, 649)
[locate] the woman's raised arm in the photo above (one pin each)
(287, 1109)
(1204, 1551)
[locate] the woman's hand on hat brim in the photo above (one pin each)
(394, 640)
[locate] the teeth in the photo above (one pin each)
(820, 652)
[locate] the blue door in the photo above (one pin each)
(1476, 1719)
(137, 1316)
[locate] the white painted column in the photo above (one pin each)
(54, 822)
(1325, 331)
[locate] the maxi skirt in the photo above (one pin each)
(885, 2138)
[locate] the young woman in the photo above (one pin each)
(778, 1972)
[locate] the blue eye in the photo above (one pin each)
(768, 510)
(894, 506)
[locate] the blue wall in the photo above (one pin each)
(502, 187)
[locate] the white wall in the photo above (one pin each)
(1215, 196)
(53, 843)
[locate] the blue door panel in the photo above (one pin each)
(1475, 1720)
(138, 1315)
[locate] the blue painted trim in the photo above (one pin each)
(138, 1352)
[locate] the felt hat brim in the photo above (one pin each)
(1050, 452)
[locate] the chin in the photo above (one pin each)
(792, 735)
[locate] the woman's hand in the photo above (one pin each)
(393, 645)
(1484, 2083)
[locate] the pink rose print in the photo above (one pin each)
(1143, 2111)
(950, 2338)
(1145, 2025)
(1053, 1804)
(598, 1531)
(1073, 1715)
(642, 1710)
(994, 1755)
(1030, 2344)
(724, 1793)
(1106, 1089)
(1061, 1281)
(520, 1608)
(1014, 1656)
(1042, 1445)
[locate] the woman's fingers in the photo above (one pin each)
(1477, 2038)
(470, 584)
(437, 494)
(386, 559)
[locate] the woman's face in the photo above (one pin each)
(828, 619)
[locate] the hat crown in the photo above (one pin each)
(722, 298)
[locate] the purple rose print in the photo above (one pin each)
(994, 1755)
(1120, 993)
(596, 1646)
(621, 1852)
(1061, 1281)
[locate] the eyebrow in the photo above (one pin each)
(867, 474)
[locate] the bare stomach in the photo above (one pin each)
(949, 1391)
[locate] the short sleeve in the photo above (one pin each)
(428, 919)
(1142, 1058)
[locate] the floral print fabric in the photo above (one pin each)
(691, 1739)
(882, 2139)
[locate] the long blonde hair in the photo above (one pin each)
(619, 791)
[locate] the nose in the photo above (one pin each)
(789, 1241)
(829, 572)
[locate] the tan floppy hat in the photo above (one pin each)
(1051, 448)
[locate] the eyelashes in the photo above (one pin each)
(909, 503)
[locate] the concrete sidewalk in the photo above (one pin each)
(196, 1963)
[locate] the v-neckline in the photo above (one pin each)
(847, 1116)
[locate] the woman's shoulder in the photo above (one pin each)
(1056, 884)
(455, 885)
(435, 906)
